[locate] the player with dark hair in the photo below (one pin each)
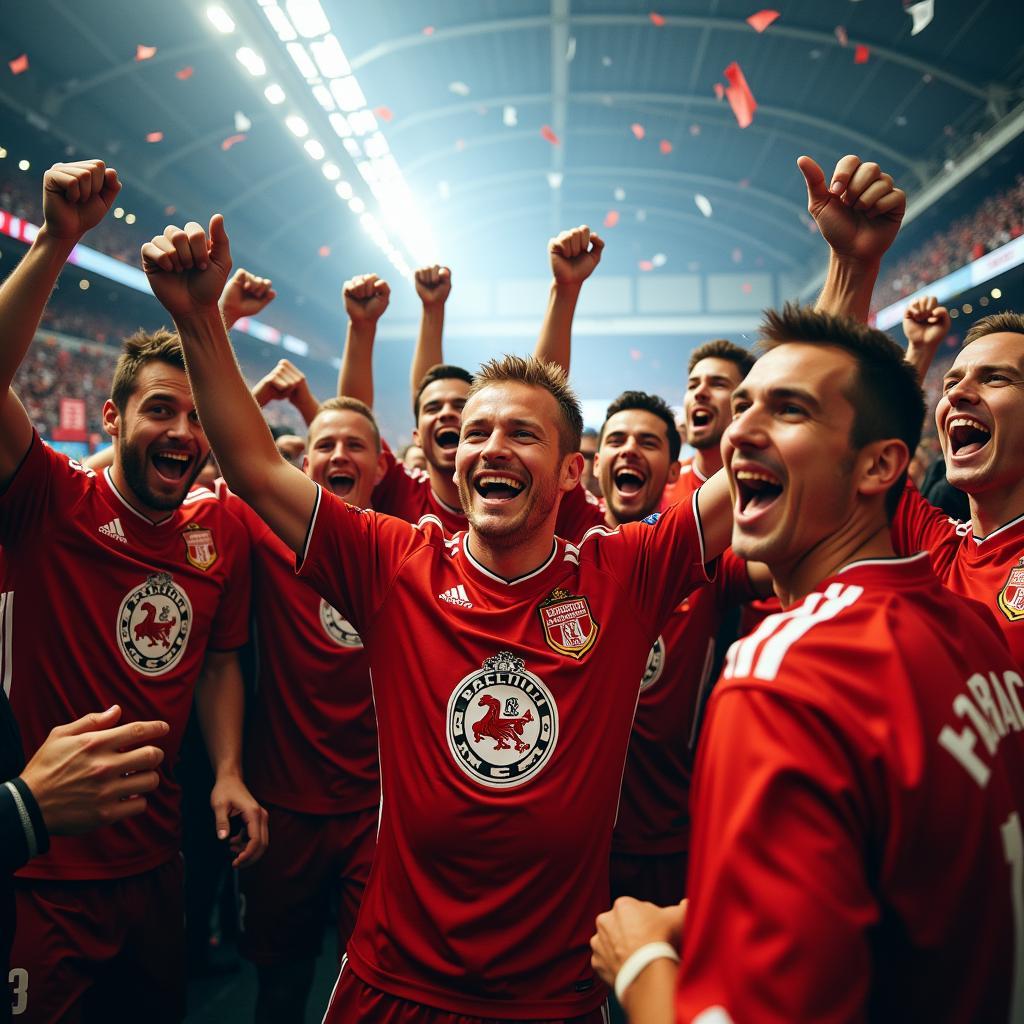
(840, 735)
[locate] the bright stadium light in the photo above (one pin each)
(220, 19)
(348, 94)
(332, 172)
(274, 94)
(362, 122)
(297, 126)
(308, 17)
(323, 96)
(344, 190)
(303, 61)
(330, 57)
(279, 23)
(356, 205)
(340, 125)
(251, 61)
(314, 149)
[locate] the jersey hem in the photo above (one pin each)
(62, 871)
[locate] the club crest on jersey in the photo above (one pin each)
(153, 625)
(569, 628)
(502, 723)
(337, 628)
(199, 547)
(655, 663)
(1011, 597)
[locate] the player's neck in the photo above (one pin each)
(992, 509)
(442, 484)
(154, 515)
(512, 561)
(708, 461)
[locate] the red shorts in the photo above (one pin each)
(660, 878)
(109, 950)
(284, 893)
(355, 1002)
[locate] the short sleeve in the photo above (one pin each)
(399, 492)
(577, 513)
(733, 582)
(45, 482)
(230, 627)
(920, 526)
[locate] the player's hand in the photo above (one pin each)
(77, 196)
(859, 211)
(433, 285)
(89, 773)
(926, 323)
(366, 298)
(245, 295)
(279, 384)
(230, 798)
(629, 925)
(188, 268)
(574, 255)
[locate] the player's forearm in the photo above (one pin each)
(304, 400)
(429, 349)
(920, 358)
(649, 1000)
(848, 288)
(554, 343)
(714, 504)
(355, 378)
(220, 706)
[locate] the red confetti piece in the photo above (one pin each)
(737, 255)
(645, 265)
(841, 35)
(460, 145)
(740, 98)
(184, 74)
(637, 130)
(155, 137)
(695, 129)
(611, 218)
(634, 353)
(384, 113)
(657, 19)
(170, 211)
(144, 52)
(324, 250)
(427, 30)
(233, 140)
(747, 287)
(548, 134)
(19, 64)
(861, 54)
(743, 183)
(760, 21)
(719, 91)
(665, 146)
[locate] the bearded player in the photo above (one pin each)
(125, 588)
(829, 879)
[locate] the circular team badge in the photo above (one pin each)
(655, 663)
(338, 629)
(153, 625)
(502, 723)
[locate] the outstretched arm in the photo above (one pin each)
(187, 271)
(245, 295)
(925, 324)
(433, 286)
(366, 297)
(859, 213)
(286, 382)
(76, 197)
(574, 254)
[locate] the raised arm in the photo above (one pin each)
(286, 382)
(76, 197)
(366, 297)
(245, 295)
(433, 286)
(858, 212)
(925, 324)
(574, 254)
(187, 271)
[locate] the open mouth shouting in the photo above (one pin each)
(171, 464)
(757, 490)
(701, 417)
(447, 439)
(967, 436)
(629, 481)
(497, 488)
(341, 484)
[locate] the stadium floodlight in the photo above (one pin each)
(332, 172)
(220, 19)
(356, 205)
(348, 94)
(340, 125)
(314, 149)
(119, 212)
(376, 146)
(251, 61)
(362, 122)
(308, 17)
(297, 126)
(367, 170)
(279, 23)
(997, 293)
(129, 218)
(344, 190)
(274, 94)
(323, 96)
(352, 148)
(330, 57)
(23, 165)
(303, 61)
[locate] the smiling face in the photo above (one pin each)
(980, 416)
(159, 445)
(440, 416)
(343, 455)
(706, 405)
(509, 469)
(634, 464)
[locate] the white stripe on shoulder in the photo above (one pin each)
(428, 517)
(199, 494)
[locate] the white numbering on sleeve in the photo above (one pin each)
(1013, 847)
(19, 980)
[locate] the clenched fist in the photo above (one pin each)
(366, 298)
(188, 268)
(574, 255)
(245, 295)
(77, 196)
(433, 285)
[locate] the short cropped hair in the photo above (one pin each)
(649, 403)
(137, 350)
(995, 323)
(886, 397)
(442, 371)
(345, 404)
(538, 373)
(720, 348)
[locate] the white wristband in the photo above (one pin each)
(638, 960)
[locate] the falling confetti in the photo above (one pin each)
(740, 98)
(555, 179)
(459, 88)
(646, 265)
(510, 117)
(460, 145)
(155, 137)
(657, 19)
(743, 183)
(737, 255)
(242, 123)
(861, 54)
(19, 64)
(637, 130)
(922, 14)
(324, 250)
(570, 50)
(184, 74)
(703, 204)
(634, 353)
(428, 30)
(144, 52)
(233, 140)
(620, 194)
(611, 218)
(841, 35)
(901, 121)
(747, 287)
(606, 62)
(384, 113)
(695, 129)
(170, 211)
(548, 134)
(665, 146)
(641, 216)
(760, 21)
(659, 259)
(719, 91)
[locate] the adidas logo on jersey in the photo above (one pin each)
(113, 529)
(457, 595)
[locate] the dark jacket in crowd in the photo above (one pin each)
(942, 494)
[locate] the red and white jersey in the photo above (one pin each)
(407, 494)
(100, 606)
(989, 569)
(311, 744)
(857, 851)
(688, 481)
(654, 815)
(504, 710)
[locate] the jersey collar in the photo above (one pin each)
(109, 480)
(500, 580)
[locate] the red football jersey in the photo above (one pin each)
(504, 710)
(100, 606)
(654, 816)
(311, 744)
(857, 850)
(688, 481)
(989, 569)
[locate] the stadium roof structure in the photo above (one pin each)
(469, 131)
